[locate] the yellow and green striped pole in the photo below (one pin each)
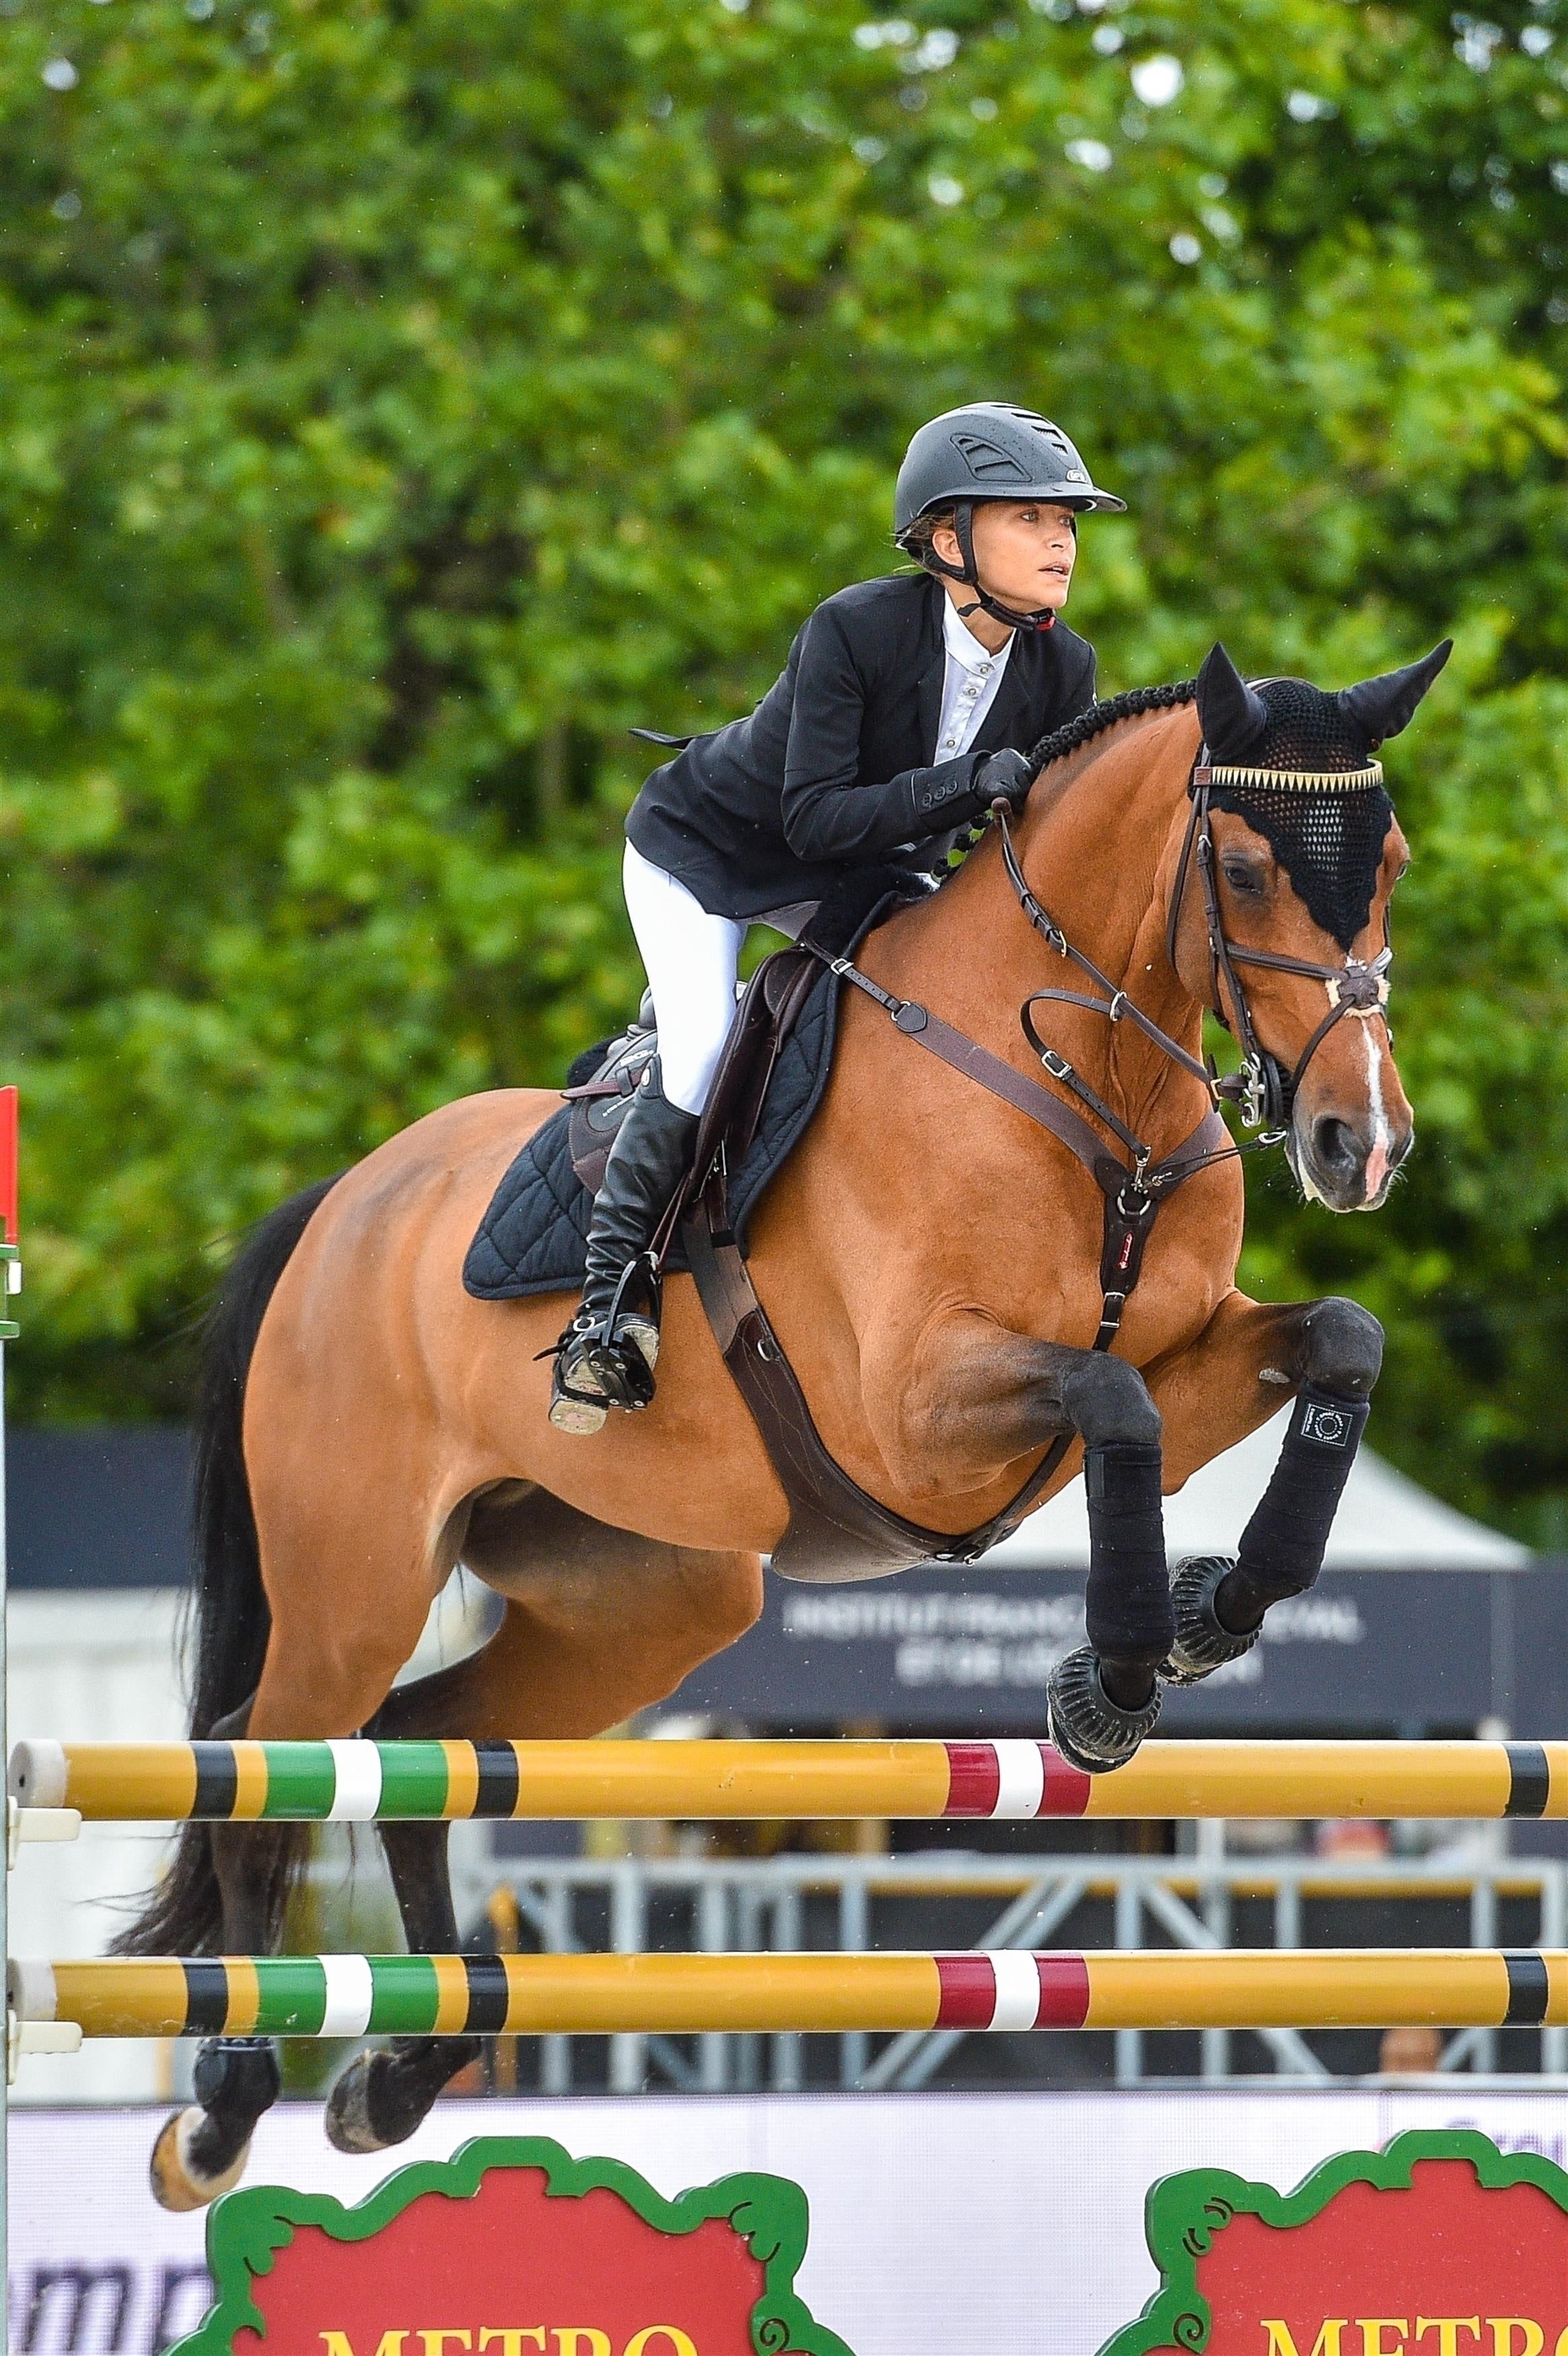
(356, 1996)
(356, 1781)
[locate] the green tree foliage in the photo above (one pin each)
(400, 398)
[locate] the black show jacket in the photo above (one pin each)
(834, 768)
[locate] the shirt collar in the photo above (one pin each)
(962, 646)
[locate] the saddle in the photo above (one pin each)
(765, 1017)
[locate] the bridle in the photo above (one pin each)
(1263, 1090)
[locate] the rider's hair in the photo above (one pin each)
(916, 538)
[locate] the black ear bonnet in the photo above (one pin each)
(1328, 835)
(1300, 768)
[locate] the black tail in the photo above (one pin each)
(185, 1914)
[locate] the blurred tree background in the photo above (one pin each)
(399, 399)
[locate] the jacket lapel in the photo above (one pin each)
(930, 667)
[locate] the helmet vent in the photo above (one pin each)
(987, 463)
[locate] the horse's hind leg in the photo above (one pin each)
(201, 2150)
(311, 1688)
(384, 2094)
(611, 1623)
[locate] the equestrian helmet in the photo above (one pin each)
(992, 450)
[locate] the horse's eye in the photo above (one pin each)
(1241, 877)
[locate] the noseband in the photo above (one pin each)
(1263, 1091)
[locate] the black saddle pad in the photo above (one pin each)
(533, 1239)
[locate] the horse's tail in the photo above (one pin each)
(227, 1603)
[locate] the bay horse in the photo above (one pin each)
(930, 1261)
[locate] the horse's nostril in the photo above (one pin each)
(1336, 1145)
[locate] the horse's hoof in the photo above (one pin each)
(1092, 1732)
(1202, 1644)
(378, 2101)
(350, 2126)
(178, 2182)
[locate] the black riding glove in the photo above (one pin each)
(1006, 774)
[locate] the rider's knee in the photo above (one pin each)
(1110, 1405)
(1341, 1348)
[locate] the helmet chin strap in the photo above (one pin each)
(1042, 618)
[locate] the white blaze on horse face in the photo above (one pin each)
(1382, 1135)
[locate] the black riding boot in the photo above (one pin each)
(607, 1356)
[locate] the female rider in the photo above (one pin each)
(903, 712)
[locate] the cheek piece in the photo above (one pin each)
(1283, 1546)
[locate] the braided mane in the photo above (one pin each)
(1101, 716)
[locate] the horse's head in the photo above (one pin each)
(1279, 917)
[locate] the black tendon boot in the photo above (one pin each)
(607, 1356)
(1104, 1698)
(1220, 1604)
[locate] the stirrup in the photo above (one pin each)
(609, 1362)
(1203, 1643)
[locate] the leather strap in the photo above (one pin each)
(836, 1529)
(964, 1055)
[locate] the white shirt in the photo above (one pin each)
(971, 677)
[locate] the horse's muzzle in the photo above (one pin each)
(1347, 1164)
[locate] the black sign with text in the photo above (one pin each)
(969, 1650)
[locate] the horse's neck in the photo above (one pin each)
(1095, 849)
(1098, 855)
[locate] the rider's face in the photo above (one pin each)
(1024, 552)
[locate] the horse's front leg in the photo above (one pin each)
(977, 1395)
(1328, 1353)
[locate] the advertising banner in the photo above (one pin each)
(940, 2225)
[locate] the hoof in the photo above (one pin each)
(350, 2126)
(1202, 1644)
(1092, 1731)
(177, 2181)
(385, 2093)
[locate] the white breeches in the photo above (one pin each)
(691, 960)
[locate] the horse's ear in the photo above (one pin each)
(1234, 715)
(1384, 706)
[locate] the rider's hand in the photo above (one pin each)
(1006, 774)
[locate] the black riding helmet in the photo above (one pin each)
(989, 450)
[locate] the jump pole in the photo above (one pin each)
(356, 1996)
(356, 1781)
